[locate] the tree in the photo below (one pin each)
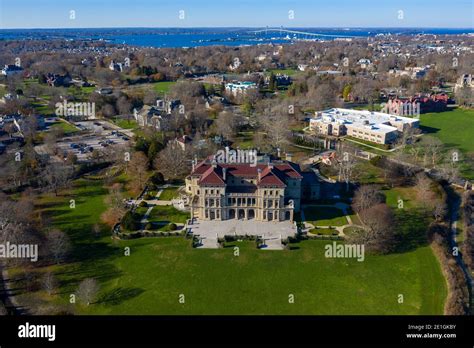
(433, 148)
(123, 105)
(450, 168)
(58, 244)
(87, 290)
(378, 234)
(226, 125)
(131, 221)
(423, 190)
(172, 162)
(346, 163)
(138, 171)
(56, 176)
(116, 210)
(49, 283)
(366, 197)
(346, 92)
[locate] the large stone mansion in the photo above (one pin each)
(269, 191)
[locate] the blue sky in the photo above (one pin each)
(227, 13)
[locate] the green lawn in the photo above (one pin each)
(163, 86)
(158, 270)
(126, 124)
(324, 216)
(367, 173)
(150, 280)
(289, 72)
(66, 127)
(406, 194)
(455, 129)
(167, 213)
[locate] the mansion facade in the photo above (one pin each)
(269, 191)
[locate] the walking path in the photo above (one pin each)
(340, 229)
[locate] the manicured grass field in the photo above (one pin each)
(289, 72)
(455, 129)
(126, 124)
(406, 194)
(159, 270)
(163, 86)
(150, 280)
(167, 213)
(324, 216)
(169, 193)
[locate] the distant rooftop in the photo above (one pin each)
(363, 119)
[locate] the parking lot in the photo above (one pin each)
(95, 135)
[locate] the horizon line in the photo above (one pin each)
(238, 27)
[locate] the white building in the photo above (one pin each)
(466, 80)
(239, 88)
(366, 125)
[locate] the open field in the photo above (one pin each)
(455, 129)
(163, 86)
(150, 280)
(158, 270)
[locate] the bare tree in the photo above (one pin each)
(138, 170)
(378, 234)
(276, 128)
(346, 163)
(87, 290)
(57, 176)
(58, 245)
(226, 125)
(433, 148)
(450, 168)
(366, 197)
(172, 162)
(424, 190)
(49, 283)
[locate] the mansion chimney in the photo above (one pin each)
(259, 171)
(224, 173)
(289, 157)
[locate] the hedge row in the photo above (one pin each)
(141, 234)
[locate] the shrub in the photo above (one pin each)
(149, 226)
(172, 227)
(148, 196)
(157, 178)
(130, 221)
(143, 204)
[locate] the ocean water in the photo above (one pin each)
(192, 37)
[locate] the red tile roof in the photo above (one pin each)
(275, 176)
